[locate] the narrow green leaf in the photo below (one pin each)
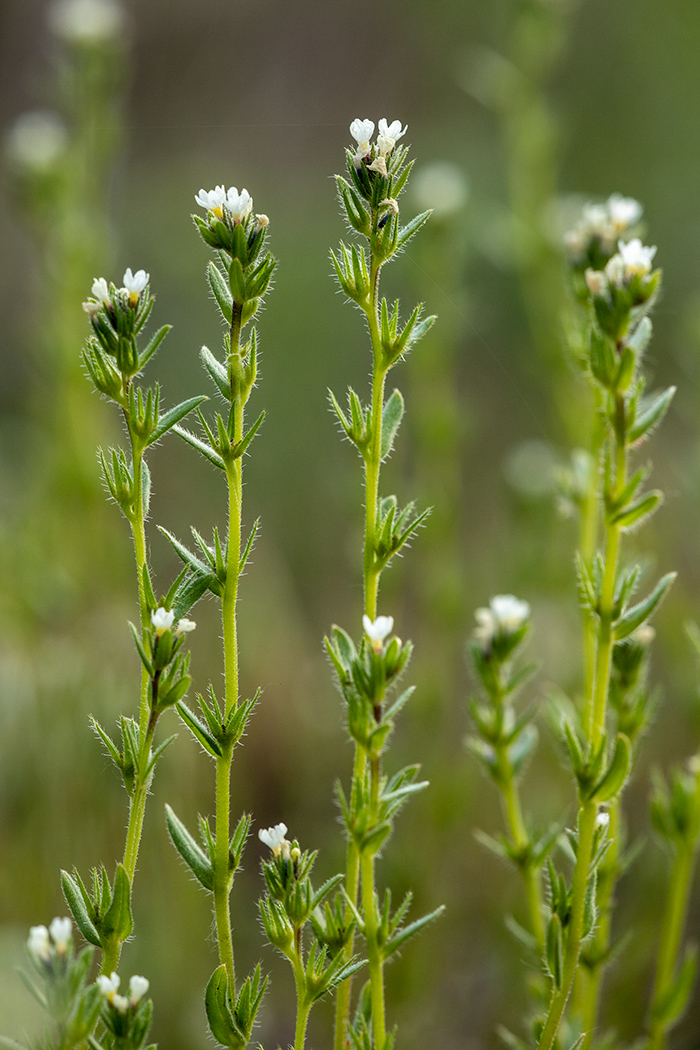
(651, 416)
(117, 920)
(633, 513)
(153, 345)
(395, 943)
(554, 952)
(217, 1005)
(76, 903)
(671, 1006)
(217, 371)
(636, 616)
(145, 659)
(373, 841)
(187, 556)
(613, 779)
(169, 419)
(249, 546)
(198, 730)
(190, 851)
(220, 291)
(411, 228)
(245, 441)
(392, 414)
(206, 450)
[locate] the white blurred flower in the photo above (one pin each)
(362, 131)
(238, 205)
(441, 186)
(624, 211)
(615, 270)
(138, 986)
(135, 283)
(212, 200)
(162, 620)
(86, 21)
(100, 291)
(636, 257)
(505, 615)
(120, 1003)
(275, 839)
(388, 135)
(378, 630)
(602, 820)
(61, 931)
(596, 281)
(109, 986)
(596, 219)
(184, 626)
(36, 141)
(38, 942)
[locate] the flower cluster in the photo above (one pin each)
(163, 619)
(506, 615)
(109, 986)
(387, 137)
(57, 938)
(228, 225)
(592, 240)
(104, 295)
(633, 259)
(275, 839)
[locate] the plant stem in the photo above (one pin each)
(516, 826)
(371, 576)
(371, 917)
(222, 874)
(303, 1005)
(675, 912)
(594, 726)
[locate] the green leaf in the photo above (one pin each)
(411, 228)
(220, 291)
(201, 446)
(651, 416)
(602, 359)
(217, 371)
(187, 556)
(76, 903)
(613, 779)
(392, 414)
(242, 445)
(217, 1004)
(191, 852)
(554, 952)
(237, 281)
(636, 616)
(117, 920)
(153, 345)
(633, 513)
(672, 1004)
(373, 841)
(395, 943)
(249, 546)
(199, 731)
(169, 419)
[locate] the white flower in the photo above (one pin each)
(378, 630)
(505, 615)
(36, 141)
(596, 281)
(162, 620)
(388, 135)
(602, 820)
(100, 291)
(378, 164)
(38, 942)
(636, 257)
(361, 131)
(212, 200)
(596, 219)
(615, 270)
(120, 1003)
(86, 21)
(624, 211)
(135, 282)
(275, 839)
(261, 221)
(138, 986)
(576, 240)
(238, 205)
(61, 931)
(109, 986)
(184, 626)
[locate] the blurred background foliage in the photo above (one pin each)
(514, 108)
